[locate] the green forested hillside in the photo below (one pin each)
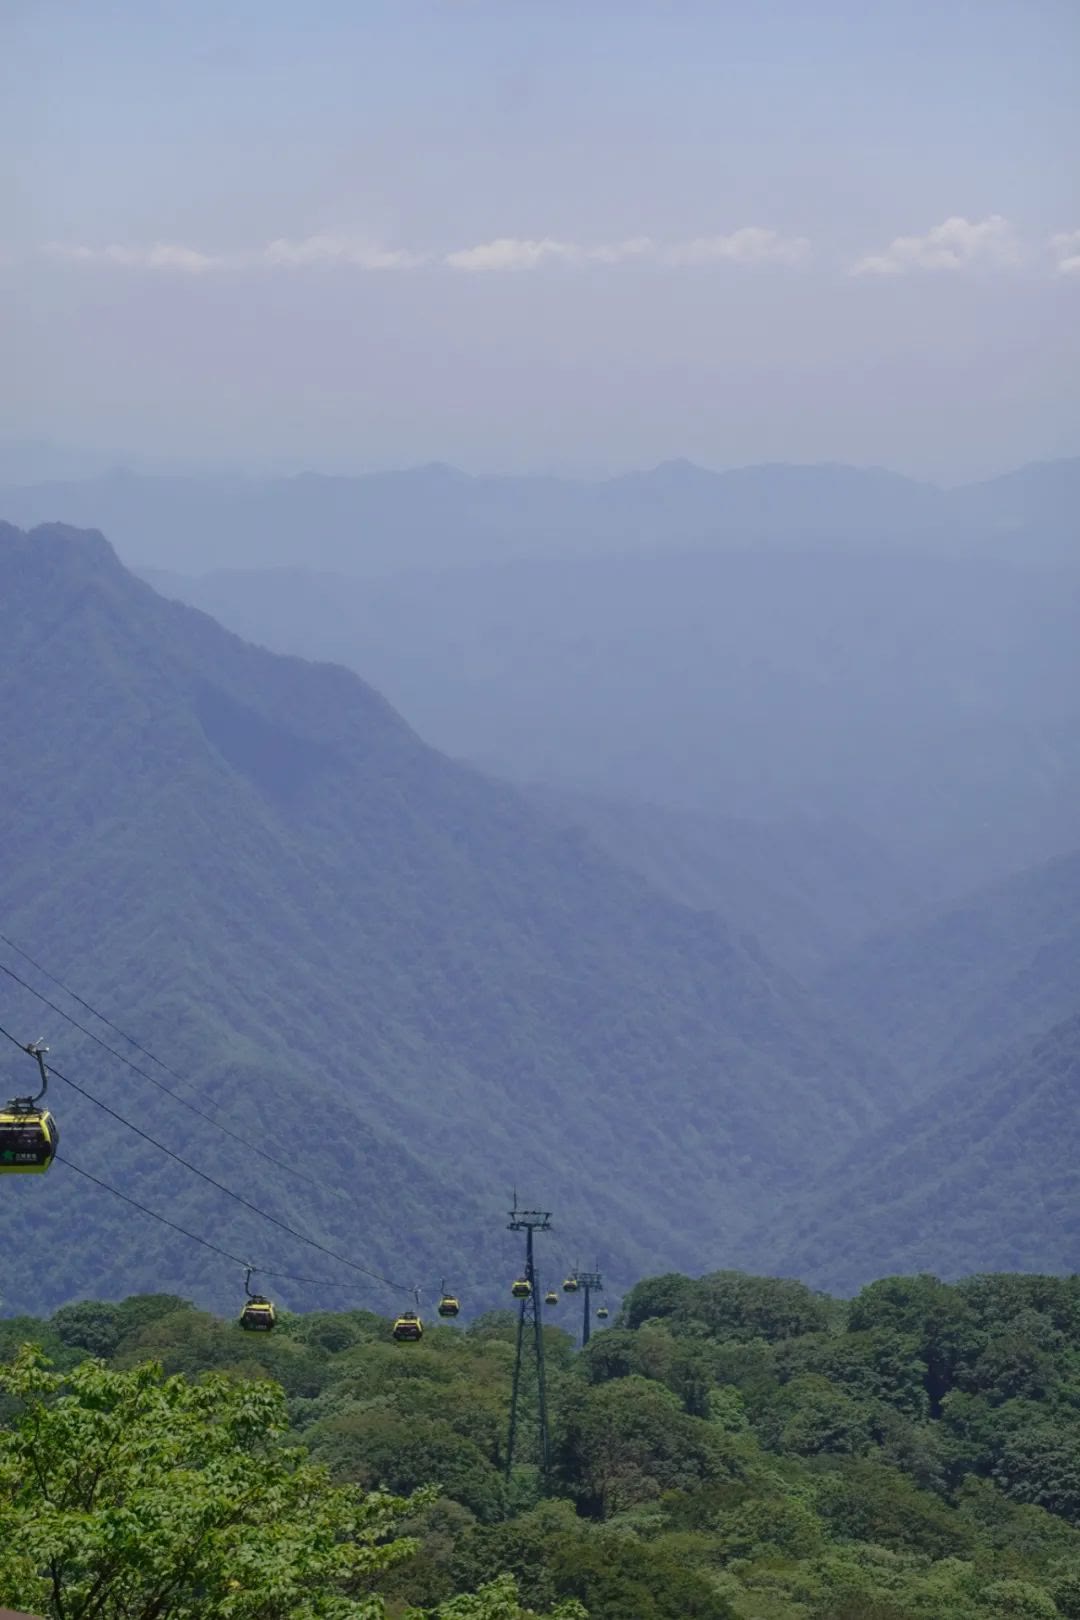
(960, 983)
(371, 957)
(983, 1168)
(732, 1447)
(810, 891)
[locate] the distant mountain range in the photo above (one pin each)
(929, 702)
(368, 956)
(436, 516)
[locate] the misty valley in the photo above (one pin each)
(540, 811)
(734, 920)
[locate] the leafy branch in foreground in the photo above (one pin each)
(138, 1495)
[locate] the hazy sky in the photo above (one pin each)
(543, 233)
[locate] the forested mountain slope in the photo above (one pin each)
(984, 1173)
(808, 890)
(366, 955)
(964, 981)
(930, 700)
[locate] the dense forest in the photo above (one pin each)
(734, 1446)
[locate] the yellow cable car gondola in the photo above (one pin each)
(408, 1328)
(28, 1132)
(28, 1138)
(449, 1306)
(521, 1288)
(551, 1297)
(570, 1286)
(258, 1314)
(602, 1313)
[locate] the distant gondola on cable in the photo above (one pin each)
(551, 1297)
(258, 1314)
(449, 1304)
(521, 1288)
(408, 1328)
(28, 1132)
(570, 1286)
(602, 1313)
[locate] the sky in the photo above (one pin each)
(558, 235)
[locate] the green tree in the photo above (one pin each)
(669, 1295)
(626, 1442)
(1019, 1600)
(862, 1500)
(135, 1495)
(811, 1416)
(617, 1578)
(91, 1325)
(1042, 1465)
(498, 1600)
(729, 1305)
(935, 1319)
(402, 1452)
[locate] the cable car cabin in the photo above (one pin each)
(28, 1139)
(602, 1314)
(408, 1328)
(570, 1286)
(449, 1306)
(522, 1288)
(257, 1315)
(551, 1297)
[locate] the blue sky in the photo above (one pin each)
(541, 234)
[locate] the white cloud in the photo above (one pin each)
(337, 250)
(511, 253)
(750, 245)
(283, 253)
(955, 244)
(1066, 246)
(159, 256)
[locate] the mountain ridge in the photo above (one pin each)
(254, 863)
(377, 523)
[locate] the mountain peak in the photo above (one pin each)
(59, 548)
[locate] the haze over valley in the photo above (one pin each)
(790, 845)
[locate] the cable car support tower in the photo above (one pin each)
(591, 1282)
(530, 1221)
